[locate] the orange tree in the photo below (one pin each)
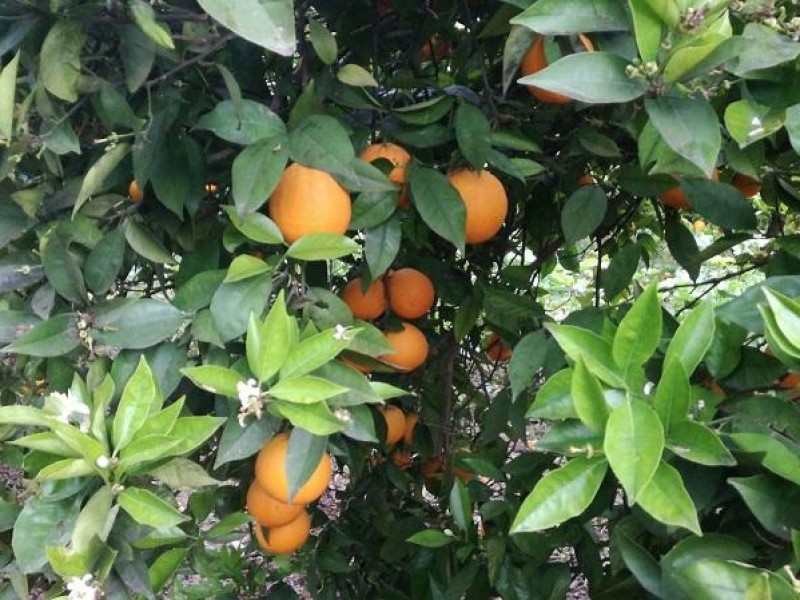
(194, 196)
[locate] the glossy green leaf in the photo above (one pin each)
(356, 76)
(430, 538)
(184, 475)
(673, 396)
(42, 523)
(140, 399)
(639, 332)
(95, 519)
(473, 134)
(305, 389)
(233, 303)
(693, 338)
(146, 245)
(772, 501)
(633, 444)
(63, 269)
(665, 499)
(244, 123)
(95, 179)
(720, 203)
(439, 204)
(594, 350)
(563, 17)
(256, 172)
(697, 443)
(315, 418)
(165, 566)
(647, 27)
(59, 59)
(587, 396)
(134, 323)
(777, 456)
(619, 274)
(381, 245)
(303, 455)
(554, 398)
(148, 509)
(560, 495)
(145, 17)
(323, 41)
(322, 246)
(269, 25)
(53, 337)
(528, 357)
(105, 261)
(8, 88)
(583, 212)
(313, 352)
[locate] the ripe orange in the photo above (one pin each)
(485, 200)
(535, 60)
(267, 511)
(366, 306)
(309, 201)
(401, 458)
(411, 424)
(354, 365)
(410, 348)
(789, 381)
(410, 293)
(747, 185)
(432, 468)
(286, 538)
(497, 349)
(675, 198)
(396, 155)
(395, 423)
(271, 473)
(135, 192)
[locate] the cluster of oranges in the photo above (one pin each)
(282, 522)
(400, 428)
(409, 294)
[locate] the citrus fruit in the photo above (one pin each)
(272, 477)
(497, 349)
(675, 198)
(135, 192)
(286, 538)
(410, 348)
(435, 46)
(399, 158)
(401, 458)
(585, 179)
(410, 293)
(789, 381)
(367, 305)
(535, 60)
(357, 366)
(699, 226)
(267, 511)
(411, 424)
(747, 185)
(309, 201)
(485, 200)
(395, 423)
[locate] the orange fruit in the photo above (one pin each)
(535, 60)
(431, 469)
(267, 511)
(675, 198)
(435, 46)
(396, 155)
(585, 179)
(271, 473)
(789, 381)
(401, 458)
(485, 200)
(395, 423)
(354, 365)
(309, 201)
(411, 424)
(286, 538)
(410, 348)
(497, 349)
(410, 293)
(747, 185)
(135, 192)
(367, 305)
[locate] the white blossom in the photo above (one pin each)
(343, 414)
(69, 407)
(81, 588)
(340, 332)
(102, 462)
(249, 393)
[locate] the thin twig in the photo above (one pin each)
(188, 63)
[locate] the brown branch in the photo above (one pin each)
(189, 62)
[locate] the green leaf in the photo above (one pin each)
(689, 126)
(233, 303)
(587, 396)
(303, 455)
(430, 538)
(105, 261)
(683, 246)
(165, 566)
(697, 443)
(62, 269)
(140, 399)
(59, 59)
(245, 122)
(528, 357)
(69, 468)
(144, 449)
(693, 338)
(564, 17)
(256, 172)
(787, 314)
(619, 274)
(95, 179)
(793, 126)
(322, 246)
(777, 456)
(269, 25)
(426, 112)
(146, 508)
(461, 506)
(591, 77)
(762, 48)
(45, 441)
(633, 444)
(582, 344)
(147, 246)
(720, 203)
(665, 499)
(256, 227)
(356, 76)
(560, 495)
(647, 27)
(42, 523)
(95, 520)
(134, 323)
(184, 475)
(583, 212)
(640, 562)
(239, 442)
(313, 352)
(381, 245)
(639, 332)
(54, 337)
(439, 204)
(197, 293)
(699, 52)
(323, 42)
(554, 398)
(305, 389)
(277, 336)
(245, 266)
(193, 432)
(8, 88)
(673, 395)
(314, 418)
(473, 134)
(370, 209)
(772, 501)
(145, 17)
